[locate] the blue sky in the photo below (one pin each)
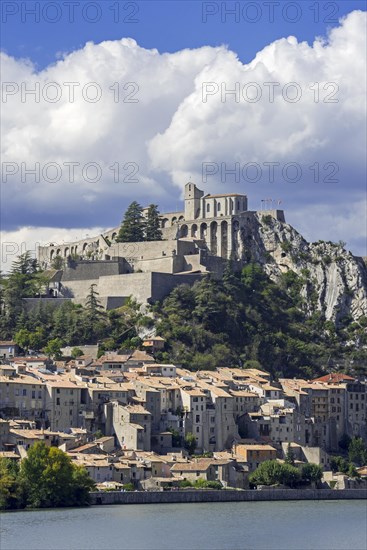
(167, 25)
(171, 131)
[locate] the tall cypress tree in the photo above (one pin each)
(132, 227)
(152, 226)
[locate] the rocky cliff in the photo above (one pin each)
(331, 279)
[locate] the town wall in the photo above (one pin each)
(187, 496)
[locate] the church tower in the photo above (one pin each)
(192, 201)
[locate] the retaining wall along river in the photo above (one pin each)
(187, 496)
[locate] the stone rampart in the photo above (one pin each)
(91, 270)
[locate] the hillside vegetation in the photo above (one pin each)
(247, 320)
(244, 319)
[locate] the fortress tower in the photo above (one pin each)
(200, 206)
(192, 201)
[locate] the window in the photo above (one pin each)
(24, 392)
(33, 395)
(197, 418)
(57, 390)
(208, 207)
(58, 401)
(195, 399)
(197, 429)
(218, 208)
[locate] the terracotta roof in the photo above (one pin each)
(224, 195)
(256, 447)
(198, 465)
(141, 356)
(28, 359)
(113, 358)
(334, 377)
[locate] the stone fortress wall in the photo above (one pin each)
(211, 230)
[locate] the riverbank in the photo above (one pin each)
(187, 496)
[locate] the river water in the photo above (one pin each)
(294, 525)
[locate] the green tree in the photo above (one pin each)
(95, 317)
(311, 473)
(176, 438)
(25, 280)
(267, 473)
(352, 471)
(339, 464)
(271, 472)
(152, 224)
(93, 305)
(132, 226)
(23, 339)
(76, 352)
(52, 349)
(290, 475)
(57, 263)
(37, 339)
(51, 479)
(190, 443)
(357, 451)
(289, 459)
(11, 493)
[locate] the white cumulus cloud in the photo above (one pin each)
(158, 132)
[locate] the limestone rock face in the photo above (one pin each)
(333, 280)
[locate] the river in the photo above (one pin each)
(292, 525)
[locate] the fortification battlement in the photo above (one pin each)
(212, 221)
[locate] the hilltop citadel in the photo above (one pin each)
(211, 230)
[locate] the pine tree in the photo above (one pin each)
(94, 318)
(152, 226)
(132, 227)
(93, 305)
